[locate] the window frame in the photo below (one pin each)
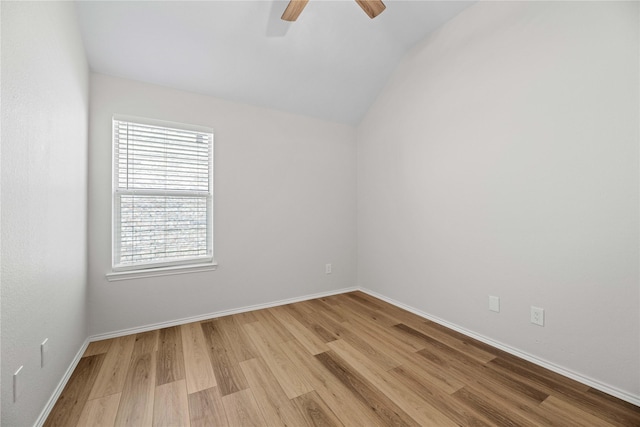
(175, 266)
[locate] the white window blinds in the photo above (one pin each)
(163, 195)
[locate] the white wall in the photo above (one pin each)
(285, 205)
(44, 196)
(502, 159)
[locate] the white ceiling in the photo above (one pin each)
(330, 64)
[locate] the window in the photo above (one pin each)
(162, 194)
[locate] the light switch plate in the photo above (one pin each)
(44, 350)
(494, 304)
(17, 384)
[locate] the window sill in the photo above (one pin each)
(115, 276)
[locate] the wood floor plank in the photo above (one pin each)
(98, 347)
(477, 376)
(242, 410)
(136, 402)
(170, 363)
(206, 409)
(275, 406)
(276, 330)
(460, 341)
(539, 371)
(351, 306)
(438, 398)
(518, 407)
(245, 317)
(198, 370)
(393, 350)
(427, 372)
(452, 338)
(365, 299)
(566, 390)
(323, 306)
(170, 406)
(546, 380)
(356, 338)
(279, 364)
(315, 412)
(350, 410)
(400, 394)
(520, 387)
(389, 335)
(632, 410)
(572, 415)
(146, 342)
(226, 368)
(382, 304)
(237, 338)
(472, 371)
(603, 412)
(402, 316)
(384, 357)
(388, 412)
(428, 339)
(497, 415)
(309, 318)
(100, 412)
(310, 341)
(113, 371)
(70, 404)
(333, 300)
(403, 342)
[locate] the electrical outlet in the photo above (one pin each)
(17, 384)
(494, 304)
(44, 350)
(537, 316)
(327, 268)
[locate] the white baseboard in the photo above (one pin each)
(620, 394)
(208, 316)
(63, 382)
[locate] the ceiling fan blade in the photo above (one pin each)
(372, 8)
(293, 10)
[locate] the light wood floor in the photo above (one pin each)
(347, 360)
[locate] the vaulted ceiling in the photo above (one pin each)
(330, 64)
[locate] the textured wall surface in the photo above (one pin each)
(502, 159)
(284, 206)
(43, 246)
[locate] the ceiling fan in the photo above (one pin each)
(372, 8)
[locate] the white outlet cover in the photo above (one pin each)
(537, 316)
